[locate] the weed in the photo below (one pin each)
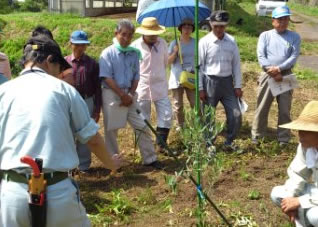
(245, 175)
(172, 183)
(166, 205)
(146, 197)
(254, 195)
(243, 220)
(119, 206)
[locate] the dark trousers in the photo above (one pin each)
(221, 89)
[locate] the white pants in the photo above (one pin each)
(163, 109)
(144, 141)
(64, 207)
(306, 217)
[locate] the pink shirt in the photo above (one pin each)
(5, 66)
(153, 84)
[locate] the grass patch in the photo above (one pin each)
(306, 74)
(305, 9)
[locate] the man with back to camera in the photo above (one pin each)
(41, 121)
(277, 52)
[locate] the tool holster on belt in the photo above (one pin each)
(37, 191)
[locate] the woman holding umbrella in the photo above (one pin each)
(181, 58)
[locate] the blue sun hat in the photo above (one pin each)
(281, 11)
(79, 37)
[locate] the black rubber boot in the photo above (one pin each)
(163, 133)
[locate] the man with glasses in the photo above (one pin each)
(220, 74)
(87, 83)
(277, 52)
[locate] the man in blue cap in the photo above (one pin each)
(277, 52)
(87, 83)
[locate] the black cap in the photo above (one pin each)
(49, 46)
(220, 17)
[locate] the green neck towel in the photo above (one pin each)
(127, 49)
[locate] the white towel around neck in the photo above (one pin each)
(311, 157)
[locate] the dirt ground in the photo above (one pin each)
(307, 27)
(258, 169)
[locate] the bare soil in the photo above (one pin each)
(258, 169)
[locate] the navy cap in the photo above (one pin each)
(220, 17)
(79, 37)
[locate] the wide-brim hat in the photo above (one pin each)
(307, 120)
(150, 26)
(186, 21)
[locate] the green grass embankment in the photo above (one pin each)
(17, 27)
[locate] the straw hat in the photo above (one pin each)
(150, 26)
(307, 120)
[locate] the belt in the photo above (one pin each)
(51, 178)
(219, 77)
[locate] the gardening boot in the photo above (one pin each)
(163, 134)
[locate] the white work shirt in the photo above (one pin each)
(299, 175)
(39, 117)
(219, 58)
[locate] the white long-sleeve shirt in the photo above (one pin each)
(300, 175)
(219, 58)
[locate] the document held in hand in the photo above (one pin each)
(289, 82)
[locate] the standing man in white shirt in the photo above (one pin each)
(153, 84)
(220, 74)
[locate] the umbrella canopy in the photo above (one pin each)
(170, 13)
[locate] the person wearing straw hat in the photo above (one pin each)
(298, 197)
(277, 52)
(220, 78)
(119, 71)
(181, 58)
(153, 85)
(85, 71)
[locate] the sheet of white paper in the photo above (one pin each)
(243, 105)
(289, 82)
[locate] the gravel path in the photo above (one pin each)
(307, 27)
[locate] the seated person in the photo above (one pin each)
(298, 197)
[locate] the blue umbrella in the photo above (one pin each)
(170, 13)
